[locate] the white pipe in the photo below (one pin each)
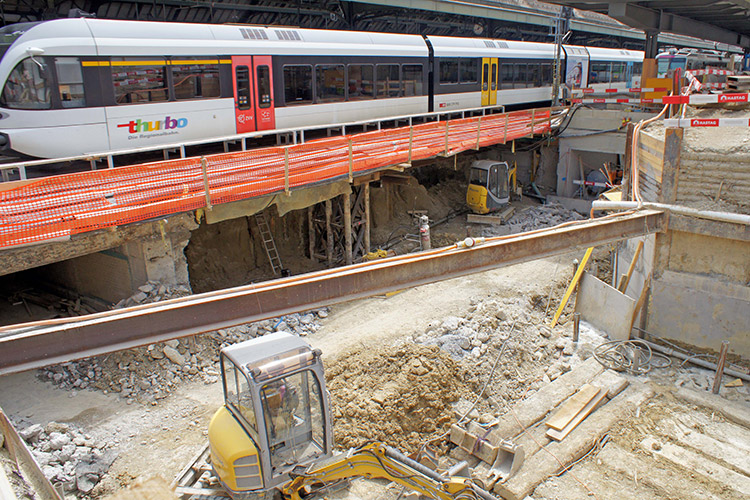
(675, 209)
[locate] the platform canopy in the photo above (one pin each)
(723, 21)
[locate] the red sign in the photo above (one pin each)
(704, 122)
(733, 98)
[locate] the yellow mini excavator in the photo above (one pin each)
(273, 436)
(489, 189)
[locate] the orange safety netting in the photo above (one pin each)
(61, 206)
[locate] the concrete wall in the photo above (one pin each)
(594, 136)
(116, 273)
(700, 269)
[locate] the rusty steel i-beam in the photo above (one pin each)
(32, 345)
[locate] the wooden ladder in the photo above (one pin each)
(268, 243)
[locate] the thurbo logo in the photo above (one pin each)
(168, 123)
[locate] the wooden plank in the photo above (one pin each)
(533, 409)
(732, 410)
(651, 142)
(542, 464)
(666, 482)
(654, 162)
(697, 464)
(572, 407)
(559, 435)
(626, 277)
(733, 455)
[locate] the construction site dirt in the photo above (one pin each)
(401, 368)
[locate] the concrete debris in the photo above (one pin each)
(68, 457)
(536, 217)
(153, 292)
(149, 374)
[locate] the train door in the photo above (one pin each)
(244, 111)
(489, 81)
(264, 107)
(494, 68)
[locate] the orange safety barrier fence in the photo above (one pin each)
(61, 206)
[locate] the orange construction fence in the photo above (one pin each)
(61, 206)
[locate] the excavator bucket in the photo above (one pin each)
(508, 460)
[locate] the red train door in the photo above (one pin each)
(264, 105)
(244, 110)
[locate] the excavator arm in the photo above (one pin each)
(378, 460)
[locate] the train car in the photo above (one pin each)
(74, 86)
(471, 73)
(80, 86)
(670, 61)
(614, 68)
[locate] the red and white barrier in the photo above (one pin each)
(636, 90)
(707, 122)
(674, 99)
(710, 71)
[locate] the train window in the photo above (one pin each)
(468, 71)
(298, 84)
(493, 77)
(546, 74)
(330, 83)
(361, 82)
(195, 79)
(139, 81)
(535, 75)
(449, 71)
(70, 82)
(506, 76)
(242, 78)
(637, 68)
(28, 86)
(263, 85)
(485, 76)
(389, 81)
(618, 72)
(519, 76)
(600, 72)
(412, 79)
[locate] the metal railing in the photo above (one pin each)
(297, 135)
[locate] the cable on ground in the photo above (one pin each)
(634, 357)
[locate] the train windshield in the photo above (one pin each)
(667, 65)
(28, 86)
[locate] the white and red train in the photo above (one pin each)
(79, 86)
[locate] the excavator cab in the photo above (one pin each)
(276, 414)
(488, 189)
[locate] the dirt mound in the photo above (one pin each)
(402, 396)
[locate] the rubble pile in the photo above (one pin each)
(534, 353)
(153, 292)
(148, 374)
(541, 216)
(68, 457)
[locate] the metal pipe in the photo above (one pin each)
(675, 209)
(576, 326)
(696, 361)
(720, 366)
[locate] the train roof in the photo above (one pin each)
(105, 37)
(601, 54)
(448, 46)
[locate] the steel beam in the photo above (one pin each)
(652, 20)
(33, 345)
